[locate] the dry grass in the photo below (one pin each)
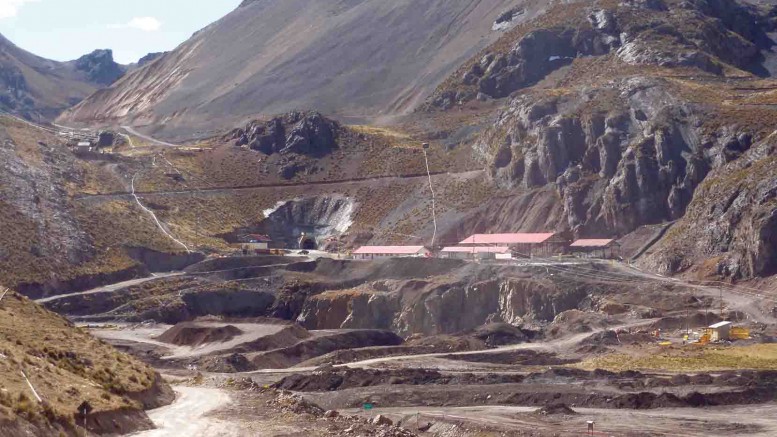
(691, 359)
(65, 365)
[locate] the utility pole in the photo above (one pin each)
(721, 302)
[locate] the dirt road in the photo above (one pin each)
(132, 131)
(113, 287)
(229, 190)
(713, 421)
(187, 416)
(737, 298)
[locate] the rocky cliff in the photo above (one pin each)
(40, 89)
(425, 307)
(626, 109)
(100, 67)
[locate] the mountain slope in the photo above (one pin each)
(40, 89)
(624, 114)
(358, 59)
(67, 368)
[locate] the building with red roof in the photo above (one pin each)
(528, 245)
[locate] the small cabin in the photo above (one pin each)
(254, 243)
(720, 331)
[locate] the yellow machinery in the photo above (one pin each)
(739, 333)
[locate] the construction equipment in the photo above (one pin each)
(738, 333)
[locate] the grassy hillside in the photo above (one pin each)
(65, 365)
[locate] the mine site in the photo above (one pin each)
(459, 218)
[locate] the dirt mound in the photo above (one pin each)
(519, 358)
(500, 334)
(315, 347)
(345, 378)
(575, 322)
(333, 380)
(614, 338)
(693, 321)
(288, 336)
(195, 334)
(559, 408)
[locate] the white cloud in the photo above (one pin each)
(10, 8)
(146, 24)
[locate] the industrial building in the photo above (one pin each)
(476, 252)
(375, 252)
(596, 248)
(254, 243)
(524, 245)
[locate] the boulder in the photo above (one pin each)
(382, 420)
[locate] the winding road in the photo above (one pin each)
(111, 288)
(188, 415)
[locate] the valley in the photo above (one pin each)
(432, 218)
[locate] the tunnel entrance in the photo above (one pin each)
(305, 224)
(308, 243)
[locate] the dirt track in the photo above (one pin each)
(229, 190)
(187, 416)
(113, 287)
(718, 421)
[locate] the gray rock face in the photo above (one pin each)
(638, 163)
(149, 58)
(537, 54)
(733, 215)
(694, 34)
(397, 305)
(14, 94)
(100, 67)
(309, 134)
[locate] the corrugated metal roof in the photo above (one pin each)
(477, 249)
(592, 243)
(507, 239)
(388, 250)
(720, 325)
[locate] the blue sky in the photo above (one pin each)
(66, 29)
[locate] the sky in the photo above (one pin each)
(64, 30)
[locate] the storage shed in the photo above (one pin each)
(720, 331)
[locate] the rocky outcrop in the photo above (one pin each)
(730, 229)
(418, 307)
(149, 58)
(637, 162)
(100, 67)
(701, 34)
(296, 132)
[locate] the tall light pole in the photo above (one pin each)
(431, 188)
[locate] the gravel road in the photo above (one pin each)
(188, 415)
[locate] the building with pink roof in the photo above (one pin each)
(528, 245)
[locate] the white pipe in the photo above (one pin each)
(151, 213)
(434, 207)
